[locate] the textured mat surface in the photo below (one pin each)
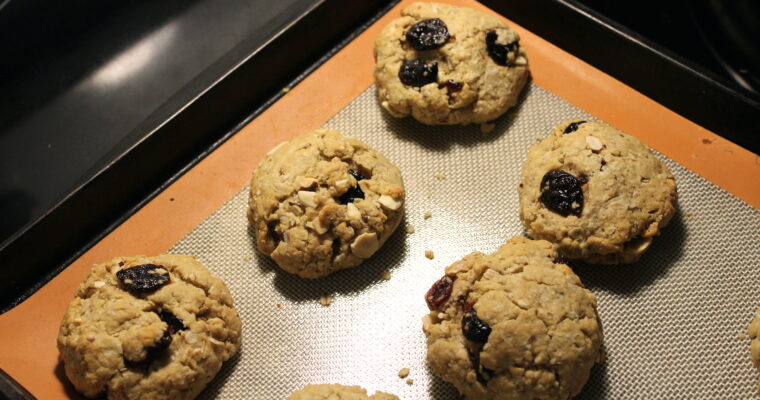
(673, 322)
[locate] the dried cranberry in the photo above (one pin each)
(474, 328)
(163, 342)
(351, 194)
(356, 175)
(417, 73)
(143, 278)
(428, 34)
(452, 86)
(272, 231)
(173, 323)
(560, 259)
(439, 292)
(562, 193)
(499, 52)
(573, 126)
(335, 248)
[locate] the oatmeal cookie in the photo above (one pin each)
(754, 335)
(324, 202)
(337, 392)
(447, 65)
(600, 194)
(148, 328)
(515, 324)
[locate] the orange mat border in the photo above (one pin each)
(27, 332)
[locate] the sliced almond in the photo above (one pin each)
(521, 61)
(305, 182)
(353, 212)
(365, 245)
(594, 144)
(309, 199)
(389, 202)
(98, 284)
(491, 274)
(638, 245)
(457, 267)
(270, 152)
(318, 226)
(342, 184)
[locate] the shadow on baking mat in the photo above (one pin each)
(71, 392)
(348, 281)
(629, 278)
(440, 389)
(442, 137)
(215, 386)
(596, 386)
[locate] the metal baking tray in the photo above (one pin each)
(143, 172)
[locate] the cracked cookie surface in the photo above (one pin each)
(754, 336)
(166, 340)
(513, 325)
(463, 82)
(323, 202)
(337, 392)
(599, 194)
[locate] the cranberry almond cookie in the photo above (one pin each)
(754, 335)
(447, 65)
(148, 328)
(324, 202)
(515, 324)
(337, 392)
(598, 193)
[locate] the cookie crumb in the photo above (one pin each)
(440, 176)
(285, 90)
(429, 254)
(386, 275)
(427, 215)
(247, 258)
(742, 335)
(409, 229)
(409, 381)
(278, 305)
(325, 300)
(487, 127)
(403, 372)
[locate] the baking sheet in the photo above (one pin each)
(672, 322)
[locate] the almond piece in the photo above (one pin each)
(594, 144)
(389, 202)
(365, 245)
(353, 212)
(309, 199)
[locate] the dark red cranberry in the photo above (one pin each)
(474, 328)
(173, 323)
(560, 259)
(356, 175)
(573, 126)
(351, 194)
(272, 231)
(417, 73)
(163, 342)
(499, 52)
(439, 292)
(562, 193)
(335, 247)
(452, 86)
(428, 34)
(143, 278)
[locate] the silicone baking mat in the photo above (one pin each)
(673, 322)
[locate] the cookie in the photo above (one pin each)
(515, 324)
(600, 194)
(148, 328)
(323, 202)
(754, 347)
(447, 65)
(337, 392)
